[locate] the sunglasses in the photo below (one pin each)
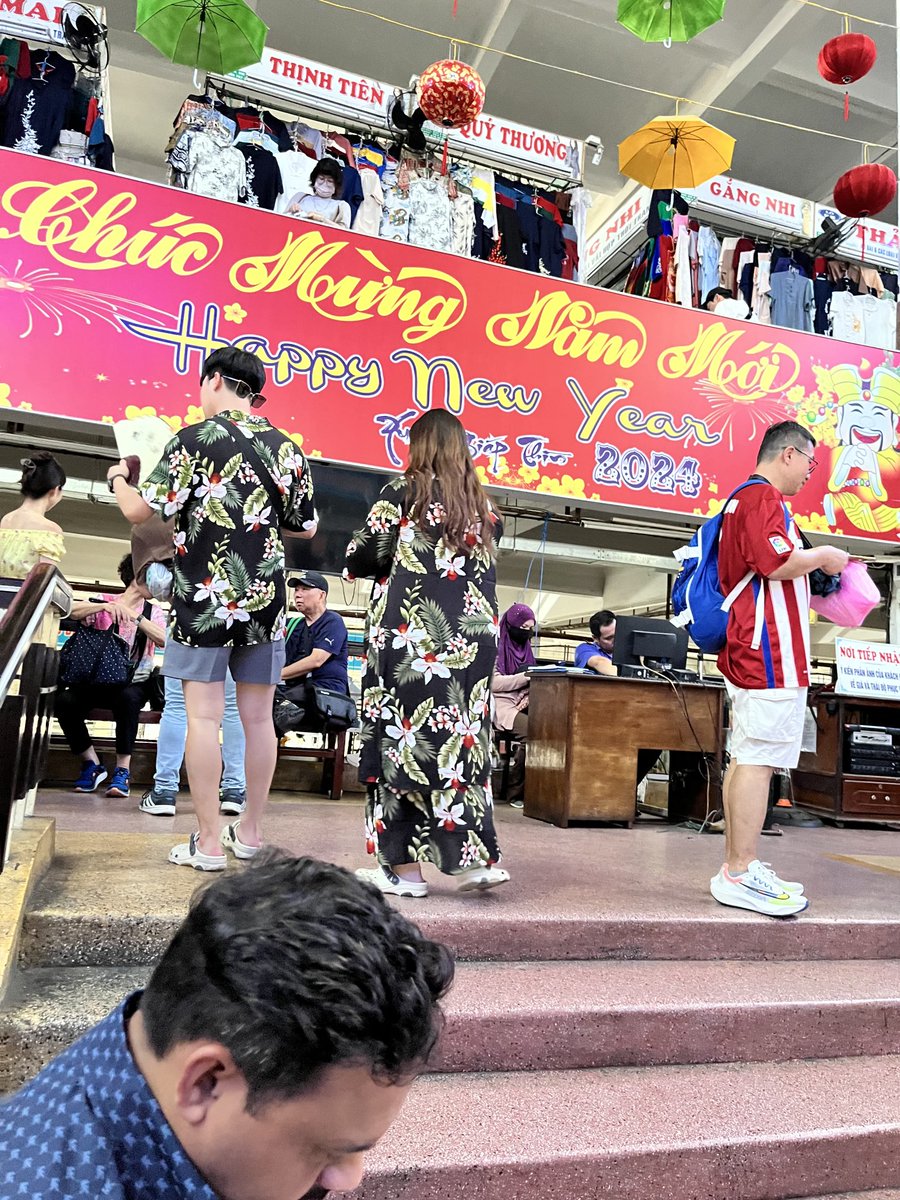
(812, 462)
(244, 391)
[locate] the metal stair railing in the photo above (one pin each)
(29, 663)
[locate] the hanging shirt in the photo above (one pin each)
(865, 320)
(214, 167)
(263, 177)
(295, 168)
(37, 107)
(430, 221)
(684, 288)
(792, 301)
(462, 215)
(395, 215)
(484, 190)
(756, 537)
(709, 250)
(369, 214)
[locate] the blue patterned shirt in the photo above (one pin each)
(88, 1125)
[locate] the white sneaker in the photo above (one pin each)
(391, 884)
(793, 889)
(479, 879)
(786, 885)
(757, 889)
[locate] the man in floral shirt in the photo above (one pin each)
(229, 483)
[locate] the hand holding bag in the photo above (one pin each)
(95, 656)
(854, 599)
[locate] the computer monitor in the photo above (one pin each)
(649, 641)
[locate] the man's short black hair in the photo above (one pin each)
(126, 570)
(600, 620)
(725, 293)
(295, 965)
(779, 437)
(235, 364)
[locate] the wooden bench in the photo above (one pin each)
(331, 754)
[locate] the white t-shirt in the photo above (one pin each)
(296, 168)
(331, 210)
(865, 320)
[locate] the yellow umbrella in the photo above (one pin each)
(675, 152)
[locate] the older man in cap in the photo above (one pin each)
(315, 654)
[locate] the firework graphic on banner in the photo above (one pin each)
(741, 419)
(46, 294)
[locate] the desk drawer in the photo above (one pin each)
(871, 796)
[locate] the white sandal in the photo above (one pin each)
(230, 841)
(479, 879)
(186, 854)
(392, 885)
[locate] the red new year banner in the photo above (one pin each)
(113, 291)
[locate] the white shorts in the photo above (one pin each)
(766, 725)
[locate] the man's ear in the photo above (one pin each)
(206, 1069)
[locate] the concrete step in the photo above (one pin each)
(113, 900)
(757, 1132)
(549, 1016)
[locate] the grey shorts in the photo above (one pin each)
(208, 664)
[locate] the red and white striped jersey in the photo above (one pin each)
(759, 534)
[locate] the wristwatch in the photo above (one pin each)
(110, 483)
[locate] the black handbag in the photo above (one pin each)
(336, 709)
(95, 656)
(820, 582)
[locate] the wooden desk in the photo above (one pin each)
(584, 733)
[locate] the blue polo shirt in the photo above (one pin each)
(328, 633)
(586, 651)
(88, 1125)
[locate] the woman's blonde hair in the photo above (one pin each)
(440, 469)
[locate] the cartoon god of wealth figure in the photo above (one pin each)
(865, 468)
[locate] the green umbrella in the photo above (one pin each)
(219, 36)
(669, 20)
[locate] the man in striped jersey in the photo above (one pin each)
(766, 659)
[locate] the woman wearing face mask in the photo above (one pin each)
(510, 687)
(324, 204)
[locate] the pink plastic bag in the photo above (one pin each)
(853, 601)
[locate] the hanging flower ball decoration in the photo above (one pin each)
(865, 190)
(451, 93)
(845, 60)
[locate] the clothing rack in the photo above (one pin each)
(225, 88)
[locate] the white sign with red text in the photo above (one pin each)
(777, 210)
(615, 232)
(335, 93)
(867, 669)
(36, 20)
(872, 242)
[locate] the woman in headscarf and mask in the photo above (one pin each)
(509, 685)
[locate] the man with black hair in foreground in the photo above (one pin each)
(274, 1045)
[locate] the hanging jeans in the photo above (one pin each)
(173, 735)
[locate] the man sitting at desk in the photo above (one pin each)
(597, 655)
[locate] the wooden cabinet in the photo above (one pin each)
(823, 781)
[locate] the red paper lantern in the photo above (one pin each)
(866, 190)
(846, 59)
(451, 93)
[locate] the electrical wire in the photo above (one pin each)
(631, 87)
(839, 12)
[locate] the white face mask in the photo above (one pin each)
(159, 581)
(324, 187)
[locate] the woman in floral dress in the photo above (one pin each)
(429, 541)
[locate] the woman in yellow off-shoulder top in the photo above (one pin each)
(27, 537)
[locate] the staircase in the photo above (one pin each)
(685, 1052)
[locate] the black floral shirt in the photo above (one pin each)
(229, 585)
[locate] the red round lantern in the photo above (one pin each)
(451, 93)
(846, 59)
(866, 190)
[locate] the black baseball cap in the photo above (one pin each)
(308, 579)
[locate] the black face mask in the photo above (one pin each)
(521, 636)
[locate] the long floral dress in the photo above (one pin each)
(431, 646)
